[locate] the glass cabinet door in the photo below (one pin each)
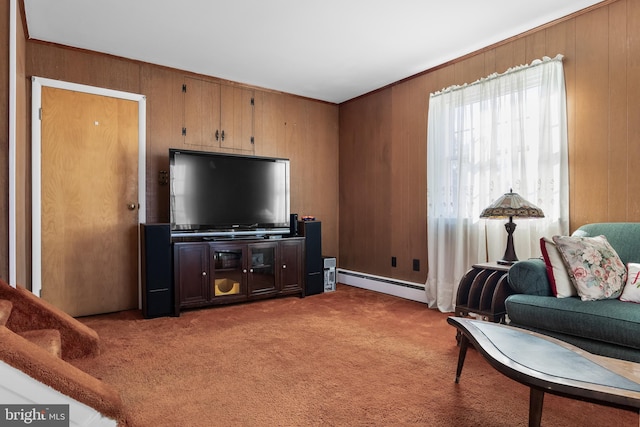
(262, 269)
(228, 271)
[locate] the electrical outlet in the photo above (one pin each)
(416, 265)
(394, 261)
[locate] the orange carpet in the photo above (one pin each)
(347, 358)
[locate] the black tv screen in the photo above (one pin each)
(213, 191)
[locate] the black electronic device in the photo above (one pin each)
(293, 225)
(226, 193)
(314, 264)
(157, 271)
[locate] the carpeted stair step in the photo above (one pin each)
(32, 313)
(5, 311)
(48, 339)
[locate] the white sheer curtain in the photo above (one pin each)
(507, 131)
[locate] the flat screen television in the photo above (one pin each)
(225, 193)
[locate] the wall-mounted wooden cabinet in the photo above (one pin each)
(270, 124)
(217, 116)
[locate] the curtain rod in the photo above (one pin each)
(534, 63)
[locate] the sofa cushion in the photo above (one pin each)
(611, 320)
(561, 284)
(529, 277)
(631, 291)
(623, 236)
(593, 265)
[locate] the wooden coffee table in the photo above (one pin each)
(547, 365)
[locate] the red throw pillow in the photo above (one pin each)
(561, 284)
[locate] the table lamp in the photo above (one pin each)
(509, 205)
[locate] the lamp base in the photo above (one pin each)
(509, 256)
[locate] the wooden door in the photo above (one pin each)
(191, 270)
(89, 185)
(291, 265)
(261, 279)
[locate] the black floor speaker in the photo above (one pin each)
(157, 270)
(314, 265)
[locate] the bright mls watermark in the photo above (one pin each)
(34, 415)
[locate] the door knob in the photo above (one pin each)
(131, 206)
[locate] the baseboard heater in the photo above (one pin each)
(400, 288)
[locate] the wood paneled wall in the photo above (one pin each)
(23, 160)
(381, 156)
(383, 137)
(4, 141)
(20, 152)
(306, 131)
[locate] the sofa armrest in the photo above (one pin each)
(530, 277)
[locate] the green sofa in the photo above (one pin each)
(606, 327)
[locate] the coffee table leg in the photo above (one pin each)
(464, 343)
(536, 398)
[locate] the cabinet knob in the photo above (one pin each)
(204, 273)
(284, 266)
(251, 270)
(244, 271)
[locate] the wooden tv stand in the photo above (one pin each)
(227, 271)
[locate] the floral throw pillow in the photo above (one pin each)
(593, 265)
(631, 290)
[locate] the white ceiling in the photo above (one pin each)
(332, 50)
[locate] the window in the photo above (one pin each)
(506, 131)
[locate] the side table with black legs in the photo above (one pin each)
(482, 291)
